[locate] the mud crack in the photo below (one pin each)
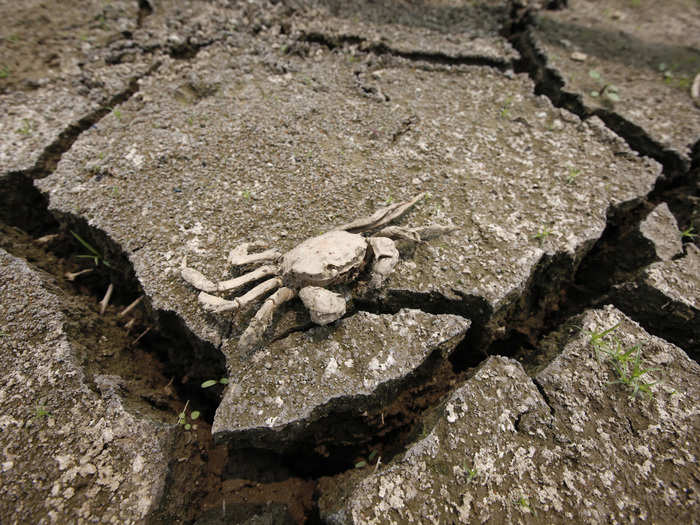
(550, 83)
(379, 48)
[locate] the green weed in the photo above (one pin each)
(573, 173)
(524, 504)
(610, 92)
(94, 254)
(4, 72)
(505, 109)
(627, 362)
(689, 233)
(471, 473)
(26, 128)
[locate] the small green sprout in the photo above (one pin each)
(41, 411)
(597, 340)
(471, 473)
(26, 129)
(543, 234)
(361, 464)
(212, 382)
(94, 254)
(573, 173)
(182, 418)
(505, 111)
(689, 233)
(117, 114)
(246, 194)
(4, 72)
(524, 503)
(611, 92)
(389, 200)
(628, 365)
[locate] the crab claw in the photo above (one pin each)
(323, 305)
(385, 258)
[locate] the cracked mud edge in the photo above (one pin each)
(550, 83)
(502, 330)
(378, 48)
(23, 205)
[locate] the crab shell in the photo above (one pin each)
(328, 259)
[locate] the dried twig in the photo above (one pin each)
(105, 300)
(130, 307)
(129, 325)
(140, 336)
(71, 276)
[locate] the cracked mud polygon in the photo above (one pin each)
(561, 145)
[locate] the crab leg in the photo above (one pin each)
(239, 282)
(218, 305)
(239, 256)
(200, 282)
(420, 234)
(380, 217)
(263, 318)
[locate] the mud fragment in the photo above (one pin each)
(358, 364)
(660, 231)
(586, 451)
(641, 65)
(665, 299)
(447, 32)
(71, 449)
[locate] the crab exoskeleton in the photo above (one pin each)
(307, 270)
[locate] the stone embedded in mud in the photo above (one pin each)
(586, 452)
(665, 299)
(70, 450)
(358, 364)
(639, 71)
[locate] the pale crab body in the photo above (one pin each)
(325, 260)
(307, 270)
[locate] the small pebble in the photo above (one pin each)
(578, 56)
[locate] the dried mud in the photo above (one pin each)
(156, 360)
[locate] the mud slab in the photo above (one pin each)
(450, 32)
(629, 63)
(570, 445)
(71, 449)
(178, 176)
(666, 300)
(354, 366)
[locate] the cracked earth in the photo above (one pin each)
(536, 364)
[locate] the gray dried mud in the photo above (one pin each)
(560, 146)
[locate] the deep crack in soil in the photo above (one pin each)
(206, 478)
